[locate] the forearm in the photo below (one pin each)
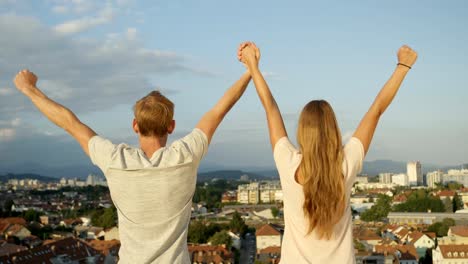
(232, 95)
(389, 90)
(56, 113)
(263, 91)
(275, 120)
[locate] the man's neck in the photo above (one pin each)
(149, 145)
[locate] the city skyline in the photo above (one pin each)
(98, 58)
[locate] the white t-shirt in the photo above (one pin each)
(153, 196)
(297, 247)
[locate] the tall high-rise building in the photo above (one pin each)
(414, 172)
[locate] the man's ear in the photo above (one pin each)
(171, 127)
(135, 126)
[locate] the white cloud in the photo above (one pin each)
(16, 122)
(6, 91)
(131, 33)
(60, 9)
(85, 23)
(7, 134)
(85, 75)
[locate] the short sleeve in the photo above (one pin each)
(354, 156)
(100, 152)
(197, 142)
(285, 155)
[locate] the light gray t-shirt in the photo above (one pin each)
(153, 196)
(299, 247)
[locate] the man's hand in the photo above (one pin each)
(25, 81)
(248, 54)
(407, 56)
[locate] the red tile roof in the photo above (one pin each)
(105, 246)
(415, 236)
(75, 248)
(446, 193)
(209, 254)
(408, 252)
(13, 220)
(267, 230)
(448, 251)
(432, 235)
(7, 248)
(460, 230)
(271, 250)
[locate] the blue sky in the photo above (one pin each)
(99, 57)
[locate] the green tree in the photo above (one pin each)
(237, 224)
(441, 228)
(274, 212)
(421, 201)
(199, 232)
(221, 238)
(196, 232)
(31, 215)
(457, 202)
(7, 207)
(379, 210)
(448, 205)
(104, 217)
(454, 186)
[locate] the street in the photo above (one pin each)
(248, 250)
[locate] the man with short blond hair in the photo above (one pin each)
(151, 186)
(153, 114)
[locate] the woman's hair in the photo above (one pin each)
(321, 168)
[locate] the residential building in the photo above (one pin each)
(463, 193)
(400, 179)
(405, 254)
(112, 234)
(68, 250)
(362, 179)
(458, 235)
(268, 236)
(425, 218)
(414, 172)
(459, 176)
(229, 197)
(201, 254)
(259, 192)
(450, 254)
(433, 177)
(385, 177)
(270, 255)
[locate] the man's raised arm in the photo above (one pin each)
(210, 121)
(25, 81)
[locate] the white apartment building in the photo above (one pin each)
(414, 172)
(400, 179)
(385, 177)
(460, 176)
(433, 177)
(362, 179)
(256, 192)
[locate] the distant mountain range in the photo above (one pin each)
(5, 178)
(35, 171)
(232, 175)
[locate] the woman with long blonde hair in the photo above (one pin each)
(317, 176)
